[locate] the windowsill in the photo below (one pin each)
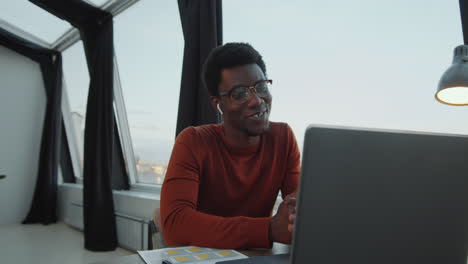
(72, 185)
(154, 189)
(139, 194)
(143, 191)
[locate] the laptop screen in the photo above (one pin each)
(373, 196)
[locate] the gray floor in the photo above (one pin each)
(57, 243)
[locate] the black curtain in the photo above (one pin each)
(202, 27)
(44, 203)
(96, 30)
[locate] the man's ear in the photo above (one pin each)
(214, 102)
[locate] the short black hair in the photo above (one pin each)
(227, 56)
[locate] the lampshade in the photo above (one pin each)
(453, 85)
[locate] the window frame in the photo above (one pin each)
(124, 134)
(126, 139)
(70, 130)
(67, 40)
(122, 124)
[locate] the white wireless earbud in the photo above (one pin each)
(219, 109)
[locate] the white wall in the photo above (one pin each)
(22, 109)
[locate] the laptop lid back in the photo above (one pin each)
(376, 197)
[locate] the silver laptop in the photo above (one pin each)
(377, 196)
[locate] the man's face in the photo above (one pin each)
(251, 116)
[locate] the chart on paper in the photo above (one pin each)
(196, 255)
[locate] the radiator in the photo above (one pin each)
(132, 232)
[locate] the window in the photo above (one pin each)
(34, 20)
(148, 44)
(98, 3)
(366, 63)
(76, 77)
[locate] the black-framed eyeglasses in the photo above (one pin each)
(241, 94)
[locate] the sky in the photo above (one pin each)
(364, 63)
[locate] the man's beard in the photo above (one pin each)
(256, 134)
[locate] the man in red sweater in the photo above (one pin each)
(222, 180)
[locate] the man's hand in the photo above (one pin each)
(281, 225)
(292, 210)
(292, 213)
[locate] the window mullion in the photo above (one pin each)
(70, 130)
(122, 122)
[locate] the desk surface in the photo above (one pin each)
(135, 259)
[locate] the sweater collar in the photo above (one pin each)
(235, 149)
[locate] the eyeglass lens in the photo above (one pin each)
(242, 93)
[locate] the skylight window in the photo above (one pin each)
(34, 20)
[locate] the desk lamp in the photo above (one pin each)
(453, 85)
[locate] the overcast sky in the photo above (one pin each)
(367, 63)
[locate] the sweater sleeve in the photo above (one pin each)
(182, 224)
(291, 179)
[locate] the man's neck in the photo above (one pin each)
(239, 138)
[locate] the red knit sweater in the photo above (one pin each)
(221, 196)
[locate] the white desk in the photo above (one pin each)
(135, 259)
